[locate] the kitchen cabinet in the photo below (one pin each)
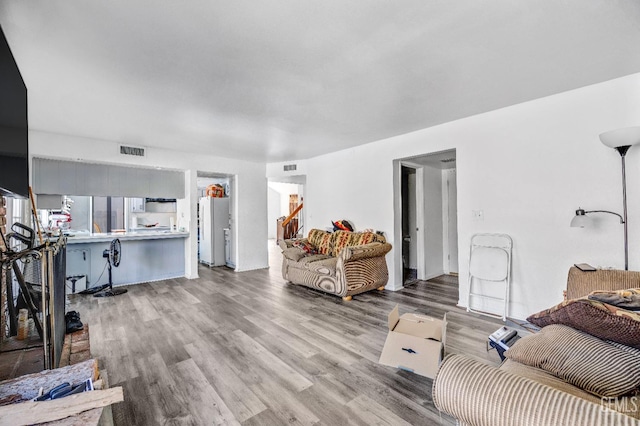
(115, 183)
(137, 205)
(141, 184)
(156, 183)
(97, 178)
(77, 178)
(82, 186)
(128, 178)
(45, 180)
(173, 184)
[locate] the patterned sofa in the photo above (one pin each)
(342, 263)
(562, 375)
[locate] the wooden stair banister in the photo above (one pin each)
(290, 224)
(292, 215)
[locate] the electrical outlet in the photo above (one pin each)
(478, 215)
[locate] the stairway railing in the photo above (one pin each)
(291, 223)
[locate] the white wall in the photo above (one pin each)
(528, 167)
(249, 191)
(274, 211)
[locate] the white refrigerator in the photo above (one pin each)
(214, 218)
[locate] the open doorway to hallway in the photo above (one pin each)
(426, 216)
(286, 213)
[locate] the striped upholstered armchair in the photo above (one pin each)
(342, 263)
(556, 390)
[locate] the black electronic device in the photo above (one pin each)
(14, 129)
(585, 267)
(65, 389)
(113, 254)
(502, 339)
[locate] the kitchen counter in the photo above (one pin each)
(123, 236)
(145, 256)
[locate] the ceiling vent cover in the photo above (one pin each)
(448, 160)
(290, 167)
(131, 150)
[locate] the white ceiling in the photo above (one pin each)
(291, 79)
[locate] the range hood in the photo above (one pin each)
(160, 200)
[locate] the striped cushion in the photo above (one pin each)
(480, 395)
(342, 239)
(321, 240)
(580, 359)
(629, 349)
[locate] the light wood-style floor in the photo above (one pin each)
(249, 349)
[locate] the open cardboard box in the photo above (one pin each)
(414, 343)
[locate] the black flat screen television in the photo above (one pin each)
(14, 129)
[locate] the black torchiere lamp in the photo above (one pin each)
(620, 140)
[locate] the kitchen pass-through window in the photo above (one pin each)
(108, 214)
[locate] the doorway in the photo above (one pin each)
(216, 215)
(426, 217)
(286, 201)
(409, 224)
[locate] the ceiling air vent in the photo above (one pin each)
(131, 150)
(290, 167)
(448, 160)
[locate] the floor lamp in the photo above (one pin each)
(620, 140)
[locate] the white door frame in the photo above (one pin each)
(446, 216)
(420, 237)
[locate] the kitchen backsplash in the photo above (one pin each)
(142, 219)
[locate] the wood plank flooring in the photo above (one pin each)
(248, 349)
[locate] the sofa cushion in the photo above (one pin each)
(546, 378)
(624, 404)
(285, 244)
(321, 240)
(344, 239)
(629, 349)
(311, 258)
(293, 253)
(305, 246)
(580, 359)
(626, 299)
(596, 318)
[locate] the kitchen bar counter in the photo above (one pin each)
(145, 256)
(123, 236)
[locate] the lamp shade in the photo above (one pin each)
(580, 220)
(626, 136)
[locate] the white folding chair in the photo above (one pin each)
(489, 265)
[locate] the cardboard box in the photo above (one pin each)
(414, 343)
